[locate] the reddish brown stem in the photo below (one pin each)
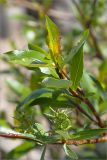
(84, 100)
(85, 141)
(68, 142)
(11, 135)
(85, 113)
(89, 104)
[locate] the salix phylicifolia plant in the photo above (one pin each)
(64, 97)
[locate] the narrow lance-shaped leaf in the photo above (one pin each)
(53, 37)
(34, 95)
(75, 60)
(87, 134)
(56, 83)
(29, 58)
(101, 91)
(37, 48)
(76, 68)
(43, 153)
(18, 55)
(87, 84)
(69, 152)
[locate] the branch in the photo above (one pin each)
(85, 141)
(18, 136)
(63, 75)
(84, 100)
(68, 142)
(91, 107)
(11, 135)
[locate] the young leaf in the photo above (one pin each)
(29, 58)
(18, 55)
(76, 68)
(63, 134)
(56, 83)
(45, 101)
(101, 91)
(53, 37)
(87, 134)
(37, 48)
(34, 95)
(39, 129)
(49, 71)
(69, 152)
(87, 84)
(75, 60)
(43, 153)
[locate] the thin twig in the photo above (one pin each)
(68, 142)
(85, 113)
(85, 141)
(11, 135)
(63, 75)
(89, 104)
(84, 100)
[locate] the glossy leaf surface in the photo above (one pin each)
(53, 37)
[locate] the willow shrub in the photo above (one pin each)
(63, 93)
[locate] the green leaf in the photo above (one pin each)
(34, 95)
(75, 60)
(18, 55)
(63, 134)
(89, 133)
(20, 150)
(39, 129)
(87, 84)
(69, 152)
(101, 91)
(49, 71)
(103, 73)
(56, 83)
(18, 87)
(53, 37)
(29, 58)
(38, 49)
(45, 101)
(43, 153)
(76, 68)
